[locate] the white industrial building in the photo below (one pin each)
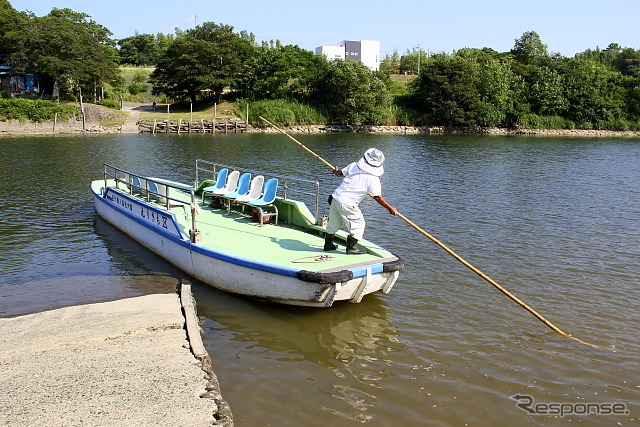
(365, 51)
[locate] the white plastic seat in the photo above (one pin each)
(161, 194)
(230, 186)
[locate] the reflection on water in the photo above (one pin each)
(554, 220)
(350, 342)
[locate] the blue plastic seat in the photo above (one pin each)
(138, 186)
(221, 181)
(154, 192)
(266, 201)
(242, 190)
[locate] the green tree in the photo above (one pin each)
(140, 49)
(164, 41)
(594, 93)
(351, 93)
(100, 33)
(66, 48)
(469, 88)
(529, 47)
(628, 62)
(278, 72)
(230, 52)
(391, 64)
(607, 57)
(209, 57)
(184, 71)
(10, 20)
(545, 92)
(410, 62)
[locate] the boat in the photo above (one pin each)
(242, 231)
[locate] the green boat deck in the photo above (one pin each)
(295, 242)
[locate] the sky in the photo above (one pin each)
(567, 27)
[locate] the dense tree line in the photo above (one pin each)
(69, 52)
(526, 86)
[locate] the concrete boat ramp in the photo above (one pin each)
(133, 362)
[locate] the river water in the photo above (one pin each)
(556, 221)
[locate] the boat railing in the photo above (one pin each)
(309, 189)
(128, 180)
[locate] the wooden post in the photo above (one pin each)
(154, 125)
(226, 125)
(179, 125)
(83, 116)
(202, 129)
(190, 115)
(235, 126)
(55, 120)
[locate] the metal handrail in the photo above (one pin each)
(111, 172)
(289, 185)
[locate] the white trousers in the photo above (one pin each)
(348, 215)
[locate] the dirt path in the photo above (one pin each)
(134, 110)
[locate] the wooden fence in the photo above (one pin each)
(218, 125)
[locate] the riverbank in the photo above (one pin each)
(136, 361)
(95, 117)
(96, 120)
(411, 130)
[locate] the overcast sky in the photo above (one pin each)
(565, 26)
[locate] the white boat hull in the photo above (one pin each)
(158, 231)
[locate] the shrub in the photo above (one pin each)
(280, 112)
(534, 121)
(35, 110)
(110, 103)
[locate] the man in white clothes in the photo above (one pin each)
(360, 179)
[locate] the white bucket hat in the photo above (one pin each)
(372, 162)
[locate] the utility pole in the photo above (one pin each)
(418, 59)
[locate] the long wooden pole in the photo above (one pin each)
(297, 142)
(451, 252)
(493, 282)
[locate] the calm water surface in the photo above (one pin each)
(555, 221)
